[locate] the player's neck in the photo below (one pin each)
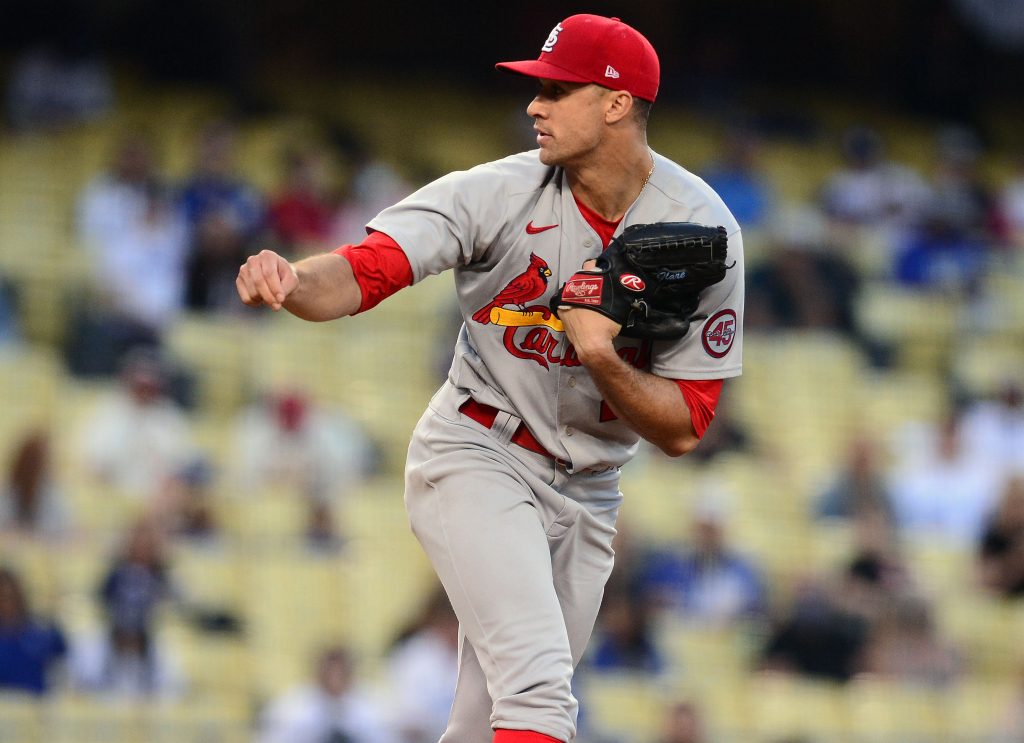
(609, 185)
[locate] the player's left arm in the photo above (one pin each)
(652, 406)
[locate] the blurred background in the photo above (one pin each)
(202, 535)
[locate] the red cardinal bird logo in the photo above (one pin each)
(524, 288)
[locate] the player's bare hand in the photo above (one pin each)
(590, 333)
(266, 278)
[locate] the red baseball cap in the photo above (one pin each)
(593, 49)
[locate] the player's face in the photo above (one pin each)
(569, 120)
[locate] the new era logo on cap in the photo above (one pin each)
(593, 49)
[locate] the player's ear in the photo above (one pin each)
(620, 104)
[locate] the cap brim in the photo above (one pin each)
(540, 68)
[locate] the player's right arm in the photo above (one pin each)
(319, 288)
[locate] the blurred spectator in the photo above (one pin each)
(905, 646)
(624, 639)
(993, 429)
(57, 84)
(10, 333)
(135, 245)
(31, 503)
(877, 553)
(300, 215)
(124, 663)
(186, 505)
(136, 236)
(684, 723)
(29, 647)
(803, 283)
(962, 221)
(373, 185)
(824, 633)
(322, 535)
(1001, 547)
(945, 490)
(737, 179)
(136, 437)
(860, 486)
(334, 709)
(709, 583)
(225, 216)
(959, 190)
(1011, 203)
(871, 190)
(423, 665)
(940, 256)
(138, 582)
(287, 441)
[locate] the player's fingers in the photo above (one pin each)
(245, 293)
(265, 281)
(246, 284)
(288, 277)
(589, 264)
(268, 280)
(251, 284)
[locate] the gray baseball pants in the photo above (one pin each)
(523, 550)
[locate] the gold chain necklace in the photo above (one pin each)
(648, 176)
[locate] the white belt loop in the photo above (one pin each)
(505, 426)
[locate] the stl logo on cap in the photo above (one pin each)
(552, 38)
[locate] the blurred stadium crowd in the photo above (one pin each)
(201, 529)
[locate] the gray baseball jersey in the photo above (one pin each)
(512, 232)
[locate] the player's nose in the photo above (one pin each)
(536, 109)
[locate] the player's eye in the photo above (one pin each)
(551, 91)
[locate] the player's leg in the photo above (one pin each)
(474, 510)
(581, 553)
(470, 718)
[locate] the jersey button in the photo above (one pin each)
(569, 430)
(572, 381)
(588, 243)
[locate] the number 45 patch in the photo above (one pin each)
(718, 333)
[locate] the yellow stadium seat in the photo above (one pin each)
(782, 707)
(708, 652)
(944, 568)
(989, 632)
(74, 719)
(273, 517)
(212, 576)
(984, 364)
(982, 710)
(196, 720)
(622, 706)
(214, 666)
(217, 352)
(919, 325)
(879, 710)
(20, 718)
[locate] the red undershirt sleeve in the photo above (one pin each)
(701, 398)
(380, 267)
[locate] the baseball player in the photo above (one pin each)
(512, 478)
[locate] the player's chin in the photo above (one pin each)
(548, 156)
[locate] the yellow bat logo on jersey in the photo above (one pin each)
(516, 319)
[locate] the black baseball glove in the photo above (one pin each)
(650, 277)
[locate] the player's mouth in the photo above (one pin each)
(542, 137)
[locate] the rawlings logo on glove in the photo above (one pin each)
(656, 273)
